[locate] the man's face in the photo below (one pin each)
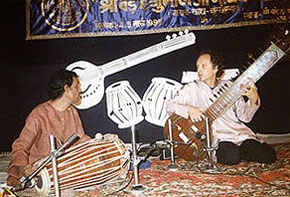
(74, 91)
(205, 69)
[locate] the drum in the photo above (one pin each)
(155, 98)
(124, 106)
(95, 162)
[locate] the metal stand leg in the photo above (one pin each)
(210, 167)
(173, 166)
(136, 186)
(54, 166)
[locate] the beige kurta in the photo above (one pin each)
(228, 127)
(33, 142)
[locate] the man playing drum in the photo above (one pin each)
(235, 141)
(56, 117)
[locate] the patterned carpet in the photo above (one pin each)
(245, 179)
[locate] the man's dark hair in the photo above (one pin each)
(57, 82)
(216, 59)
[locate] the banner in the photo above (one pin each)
(84, 18)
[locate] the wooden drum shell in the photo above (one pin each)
(91, 163)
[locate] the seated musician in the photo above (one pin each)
(235, 141)
(56, 117)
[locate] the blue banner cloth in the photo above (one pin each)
(84, 18)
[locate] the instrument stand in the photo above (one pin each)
(136, 188)
(172, 166)
(211, 167)
(54, 166)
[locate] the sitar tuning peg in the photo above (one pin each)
(251, 56)
(168, 37)
(180, 33)
(250, 61)
(186, 31)
(174, 36)
(286, 47)
(261, 50)
(278, 39)
(274, 38)
(243, 68)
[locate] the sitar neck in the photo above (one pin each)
(232, 93)
(146, 54)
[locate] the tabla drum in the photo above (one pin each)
(94, 162)
(155, 98)
(124, 106)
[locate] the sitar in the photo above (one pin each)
(189, 137)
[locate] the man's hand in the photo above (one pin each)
(194, 113)
(28, 169)
(251, 91)
(25, 170)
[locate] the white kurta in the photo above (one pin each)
(228, 127)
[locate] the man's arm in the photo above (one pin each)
(181, 104)
(246, 110)
(20, 151)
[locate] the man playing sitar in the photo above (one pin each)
(234, 140)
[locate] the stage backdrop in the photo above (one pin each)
(79, 18)
(26, 65)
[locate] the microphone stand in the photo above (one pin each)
(54, 166)
(210, 168)
(26, 181)
(172, 166)
(136, 187)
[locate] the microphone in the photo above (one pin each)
(22, 186)
(68, 142)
